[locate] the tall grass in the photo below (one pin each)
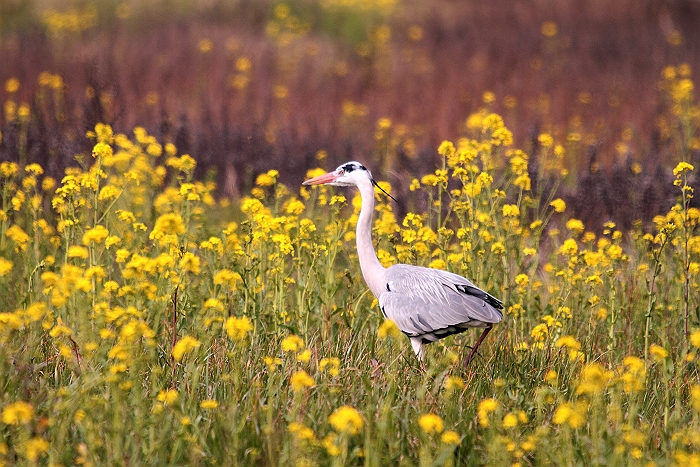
(145, 323)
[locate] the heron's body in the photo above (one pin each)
(426, 304)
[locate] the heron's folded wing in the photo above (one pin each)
(421, 300)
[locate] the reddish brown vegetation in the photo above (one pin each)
(613, 52)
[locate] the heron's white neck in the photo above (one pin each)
(372, 269)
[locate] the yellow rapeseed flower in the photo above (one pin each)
(183, 346)
(208, 404)
(633, 378)
(168, 224)
(658, 353)
(77, 251)
(95, 234)
(227, 277)
(301, 431)
(346, 419)
(332, 364)
(167, 397)
(453, 383)
(12, 85)
(292, 343)
(35, 447)
(593, 380)
(575, 225)
(17, 413)
(572, 414)
(511, 210)
(18, 236)
(570, 247)
(190, 263)
(559, 205)
(431, 424)
(300, 381)
(681, 168)
(695, 397)
(498, 248)
(238, 328)
(388, 329)
(450, 437)
(486, 407)
(695, 338)
(510, 420)
(5, 266)
(569, 342)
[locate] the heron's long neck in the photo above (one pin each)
(372, 270)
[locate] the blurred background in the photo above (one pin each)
(245, 86)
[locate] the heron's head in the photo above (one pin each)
(348, 174)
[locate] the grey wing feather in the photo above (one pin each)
(434, 303)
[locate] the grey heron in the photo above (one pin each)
(426, 304)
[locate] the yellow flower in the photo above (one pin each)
(575, 225)
(301, 432)
(5, 266)
(559, 205)
(304, 356)
(330, 363)
(190, 263)
(183, 346)
(18, 236)
(569, 342)
(484, 408)
(431, 423)
(301, 380)
(12, 85)
(208, 404)
(498, 248)
(511, 210)
(657, 352)
(453, 383)
(95, 234)
(346, 419)
(227, 277)
(76, 251)
(572, 414)
(267, 179)
(594, 379)
(17, 413)
(614, 252)
(292, 343)
(167, 397)
(546, 140)
(695, 338)
(450, 437)
(695, 397)
(634, 377)
(238, 328)
(168, 224)
(34, 448)
(510, 421)
(522, 280)
(388, 329)
(570, 247)
(329, 444)
(102, 150)
(682, 167)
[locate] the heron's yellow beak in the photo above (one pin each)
(322, 179)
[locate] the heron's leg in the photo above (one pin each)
(483, 335)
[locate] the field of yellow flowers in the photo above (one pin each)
(145, 322)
